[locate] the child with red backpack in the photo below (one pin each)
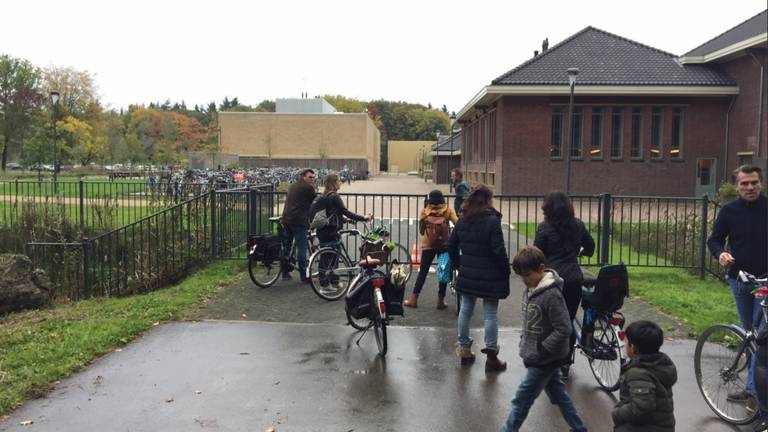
(433, 226)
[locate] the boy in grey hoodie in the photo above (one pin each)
(544, 342)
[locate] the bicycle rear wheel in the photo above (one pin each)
(263, 274)
(606, 354)
(720, 364)
(330, 273)
(379, 326)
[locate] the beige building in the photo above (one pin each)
(405, 156)
(317, 140)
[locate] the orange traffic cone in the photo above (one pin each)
(415, 254)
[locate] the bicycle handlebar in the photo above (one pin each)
(750, 278)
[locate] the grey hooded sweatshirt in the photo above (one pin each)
(546, 324)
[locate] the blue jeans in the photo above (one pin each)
(534, 381)
(748, 308)
(297, 234)
(490, 306)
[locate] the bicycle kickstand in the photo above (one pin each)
(361, 335)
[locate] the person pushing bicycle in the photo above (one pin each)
(744, 224)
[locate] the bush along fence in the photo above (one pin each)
(157, 250)
(98, 205)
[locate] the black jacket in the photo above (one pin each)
(335, 208)
(745, 225)
(562, 254)
(483, 263)
(300, 197)
(645, 396)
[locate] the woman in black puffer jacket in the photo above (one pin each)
(477, 248)
(561, 237)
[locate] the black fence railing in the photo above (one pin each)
(100, 205)
(161, 248)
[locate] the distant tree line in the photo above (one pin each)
(161, 132)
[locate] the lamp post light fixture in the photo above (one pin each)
(55, 104)
(572, 74)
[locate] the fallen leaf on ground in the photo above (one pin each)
(244, 316)
(276, 383)
(156, 323)
(198, 392)
(169, 400)
(269, 429)
(26, 422)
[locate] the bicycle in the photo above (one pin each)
(722, 358)
(266, 255)
(368, 310)
(600, 334)
(330, 269)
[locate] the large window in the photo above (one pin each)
(596, 149)
(657, 131)
(637, 133)
(557, 133)
(576, 144)
(676, 143)
(617, 133)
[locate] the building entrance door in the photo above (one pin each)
(705, 176)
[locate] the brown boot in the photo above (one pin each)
(466, 356)
(492, 362)
(441, 302)
(412, 301)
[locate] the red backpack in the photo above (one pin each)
(436, 230)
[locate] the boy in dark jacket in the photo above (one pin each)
(646, 383)
(544, 343)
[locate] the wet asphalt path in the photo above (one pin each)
(249, 376)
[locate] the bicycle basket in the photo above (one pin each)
(374, 249)
(264, 247)
(611, 287)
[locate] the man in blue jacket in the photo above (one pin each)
(744, 223)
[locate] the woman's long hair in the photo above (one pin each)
(477, 203)
(558, 212)
(330, 183)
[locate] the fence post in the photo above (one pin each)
(703, 246)
(86, 266)
(82, 205)
(605, 230)
(213, 223)
(251, 216)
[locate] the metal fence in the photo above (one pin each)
(98, 205)
(159, 249)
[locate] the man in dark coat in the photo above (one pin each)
(296, 219)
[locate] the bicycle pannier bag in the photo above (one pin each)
(267, 247)
(358, 300)
(436, 230)
(393, 296)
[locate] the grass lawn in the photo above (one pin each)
(101, 216)
(37, 348)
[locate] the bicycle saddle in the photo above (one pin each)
(369, 262)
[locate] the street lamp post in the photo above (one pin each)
(450, 161)
(55, 100)
(436, 164)
(572, 73)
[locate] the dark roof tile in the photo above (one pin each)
(754, 26)
(607, 59)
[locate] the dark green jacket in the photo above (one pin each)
(645, 403)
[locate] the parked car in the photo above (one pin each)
(13, 166)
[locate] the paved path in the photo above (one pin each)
(249, 376)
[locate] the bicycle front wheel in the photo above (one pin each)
(330, 273)
(720, 364)
(606, 357)
(263, 274)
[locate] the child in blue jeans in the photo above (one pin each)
(544, 343)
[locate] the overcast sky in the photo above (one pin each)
(421, 51)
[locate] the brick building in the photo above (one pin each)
(646, 122)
